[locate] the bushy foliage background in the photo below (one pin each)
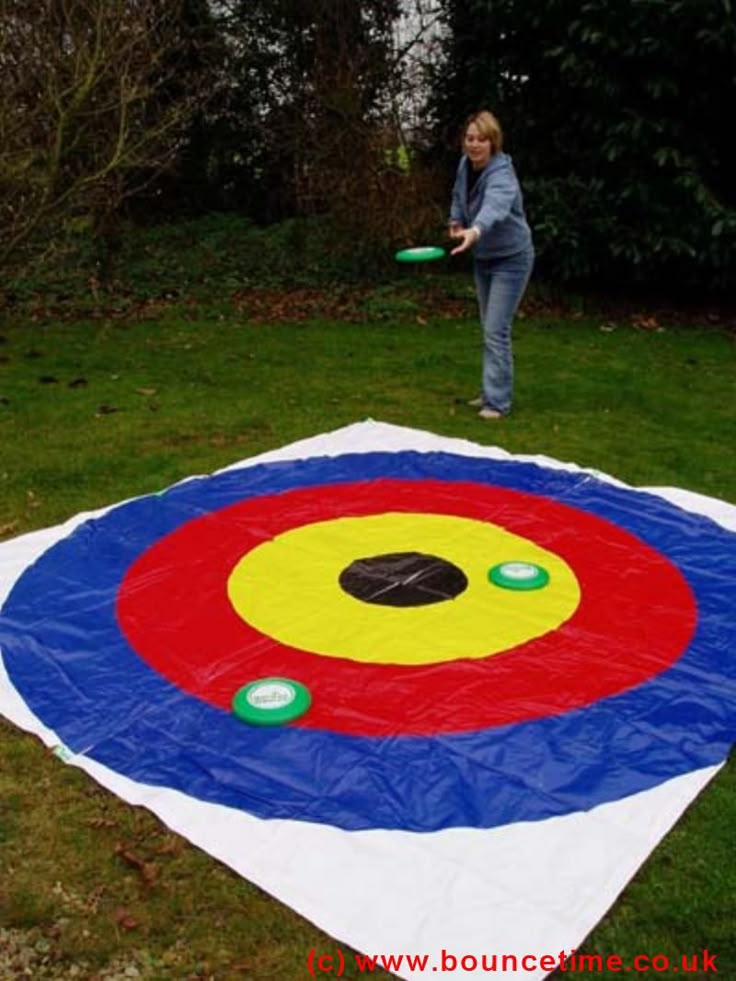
(618, 116)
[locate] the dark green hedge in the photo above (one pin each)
(619, 117)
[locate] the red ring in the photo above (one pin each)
(636, 616)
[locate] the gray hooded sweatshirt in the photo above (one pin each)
(495, 207)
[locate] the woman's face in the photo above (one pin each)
(477, 147)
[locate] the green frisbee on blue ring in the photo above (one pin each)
(424, 253)
(518, 575)
(271, 701)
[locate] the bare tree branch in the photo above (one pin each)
(96, 97)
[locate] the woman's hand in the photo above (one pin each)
(467, 236)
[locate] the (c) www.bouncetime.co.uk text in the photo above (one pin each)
(335, 963)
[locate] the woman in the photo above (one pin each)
(487, 215)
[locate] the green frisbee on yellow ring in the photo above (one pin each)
(518, 575)
(271, 701)
(423, 253)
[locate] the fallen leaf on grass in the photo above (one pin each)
(125, 920)
(148, 870)
(105, 410)
(100, 822)
(95, 898)
(145, 391)
(646, 323)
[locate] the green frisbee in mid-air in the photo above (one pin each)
(271, 701)
(422, 253)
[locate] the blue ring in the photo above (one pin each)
(80, 677)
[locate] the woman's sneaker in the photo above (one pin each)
(488, 413)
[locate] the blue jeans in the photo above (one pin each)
(500, 285)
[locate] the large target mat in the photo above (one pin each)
(433, 696)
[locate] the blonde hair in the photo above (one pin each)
(488, 127)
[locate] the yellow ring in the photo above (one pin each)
(288, 588)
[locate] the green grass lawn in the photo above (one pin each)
(93, 411)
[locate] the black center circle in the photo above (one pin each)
(403, 579)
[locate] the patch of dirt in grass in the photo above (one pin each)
(283, 306)
(361, 304)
